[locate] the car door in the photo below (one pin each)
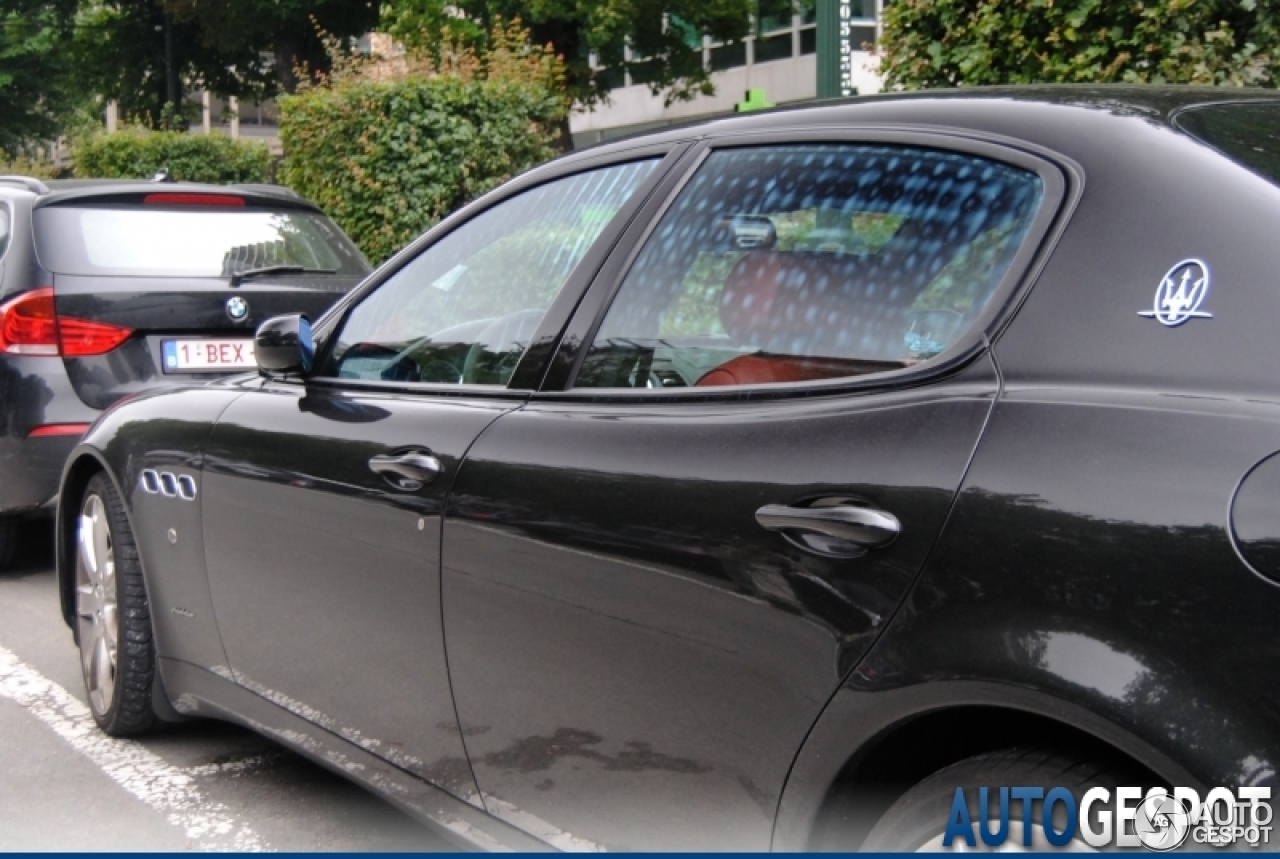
(656, 573)
(323, 496)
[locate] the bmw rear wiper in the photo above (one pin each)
(240, 276)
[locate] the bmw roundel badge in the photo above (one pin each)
(237, 308)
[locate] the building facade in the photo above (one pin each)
(780, 58)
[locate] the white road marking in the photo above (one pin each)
(165, 788)
(236, 767)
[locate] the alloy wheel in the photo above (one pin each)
(96, 603)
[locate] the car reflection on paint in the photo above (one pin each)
(746, 486)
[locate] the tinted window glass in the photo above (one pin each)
(791, 263)
(465, 309)
(1248, 133)
(189, 242)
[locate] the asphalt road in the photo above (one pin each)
(65, 786)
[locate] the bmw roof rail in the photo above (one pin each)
(35, 186)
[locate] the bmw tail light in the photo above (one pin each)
(57, 430)
(29, 325)
(81, 338)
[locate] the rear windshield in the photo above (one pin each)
(144, 242)
(1248, 132)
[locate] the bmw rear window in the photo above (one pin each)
(188, 242)
(1247, 132)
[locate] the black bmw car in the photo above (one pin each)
(111, 287)
(750, 486)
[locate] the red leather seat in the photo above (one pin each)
(750, 311)
(762, 369)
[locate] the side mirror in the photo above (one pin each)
(284, 344)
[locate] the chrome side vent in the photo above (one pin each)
(168, 484)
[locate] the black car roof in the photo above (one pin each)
(60, 191)
(965, 107)
(66, 191)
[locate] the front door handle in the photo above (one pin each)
(408, 471)
(833, 527)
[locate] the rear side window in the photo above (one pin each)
(5, 229)
(805, 262)
(1246, 132)
(188, 242)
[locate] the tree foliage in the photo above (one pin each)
(289, 29)
(35, 69)
(929, 43)
(137, 153)
(120, 55)
(388, 148)
(665, 36)
(25, 165)
(244, 48)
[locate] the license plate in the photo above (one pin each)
(197, 355)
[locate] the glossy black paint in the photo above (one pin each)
(175, 307)
(610, 553)
(1255, 525)
(1089, 559)
(166, 433)
(294, 516)
(634, 661)
(1113, 468)
(285, 344)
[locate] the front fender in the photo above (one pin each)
(164, 432)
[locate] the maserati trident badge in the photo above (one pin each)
(1180, 294)
(237, 308)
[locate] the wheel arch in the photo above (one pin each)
(83, 463)
(869, 748)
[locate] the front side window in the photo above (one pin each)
(466, 308)
(805, 262)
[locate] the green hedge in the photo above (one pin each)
(929, 43)
(387, 159)
(22, 165)
(138, 154)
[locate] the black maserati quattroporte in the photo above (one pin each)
(750, 486)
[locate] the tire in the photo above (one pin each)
(113, 618)
(919, 818)
(8, 540)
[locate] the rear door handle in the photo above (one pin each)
(833, 527)
(408, 471)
